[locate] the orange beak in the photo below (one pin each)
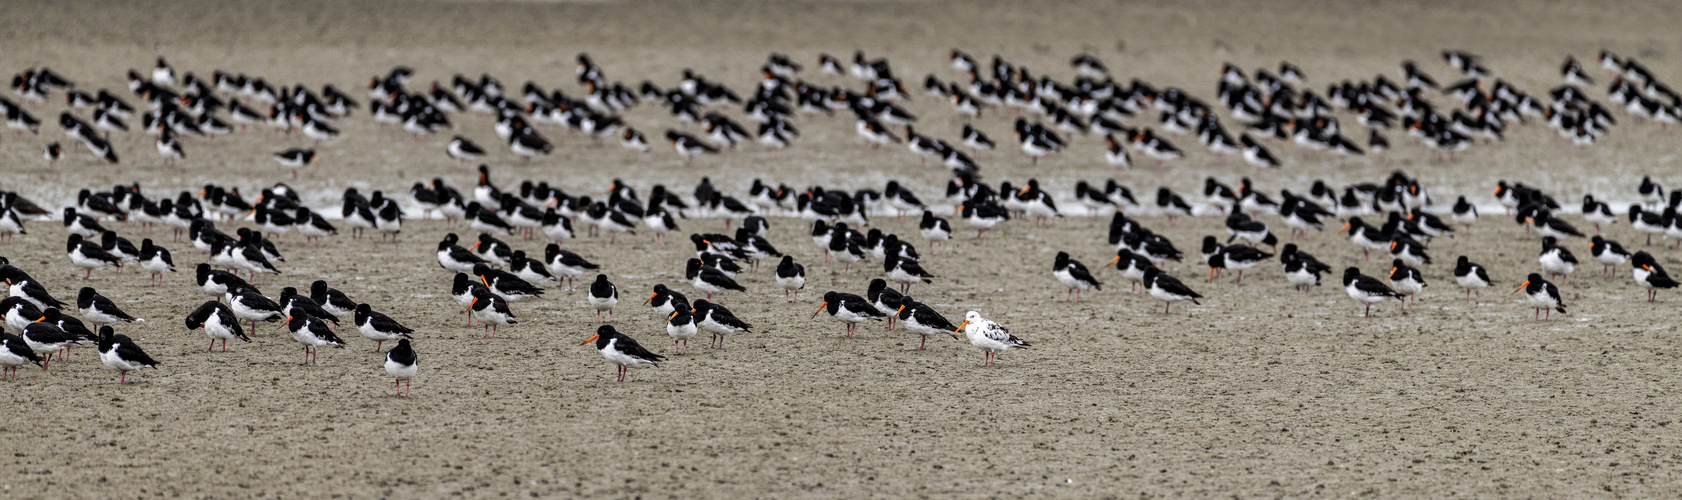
(473, 303)
(650, 297)
(591, 339)
(1023, 190)
(900, 310)
(1345, 228)
(1521, 287)
(1114, 260)
(669, 318)
(820, 308)
(475, 245)
(961, 327)
(288, 319)
(960, 209)
(482, 280)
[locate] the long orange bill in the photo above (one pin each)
(669, 318)
(1521, 287)
(820, 308)
(591, 339)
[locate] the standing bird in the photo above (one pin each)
(88, 255)
(1608, 253)
(1167, 288)
(922, 320)
(402, 364)
(935, 230)
(709, 279)
(1406, 280)
(792, 277)
(622, 350)
(1555, 259)
(250, 305)
(378, 327)
(313, 333)
(120, 353)
(991, 337)
(47, 338)
(218, 322)
(849, 309)
(1541, 295)
(680, 324)
(295, 158)
(491, 311)
(717, 320)
(1366, 289)
(1471, 276)
(463, 150)
(603, 297)
(1073, 275)
(665, 300)
(14, 352)
(99, 310)
(1650, 275)
(155, 259)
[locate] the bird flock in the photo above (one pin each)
(1047, 117)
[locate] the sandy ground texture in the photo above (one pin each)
(1257, 392)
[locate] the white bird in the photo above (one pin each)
(991, 337)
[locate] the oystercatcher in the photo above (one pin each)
(1609, 253)
(1541, 295)
(1406, 280)
(14, 352)
(1650, 275)
(120, 353)
(603, 297)
(1167, 288)
(621, 350)
(402, 364)
(491, 310)
(312, 333)
(922, 320)
(665, 300)
(792, 277)
(100, 310)
(717, 320)
(708, 279)
(1366, 289)
(88, 255)
(1555, 259)
(1073, 275)
(378, 327)
(218, 322)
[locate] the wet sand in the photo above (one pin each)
(1256, 392)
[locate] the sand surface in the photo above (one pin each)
(1257, 392)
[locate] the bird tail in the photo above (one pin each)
(1561, 309)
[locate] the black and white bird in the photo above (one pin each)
(1366, 289)
(155, 259)
(1167, 288)
(1302, 269)
(680, 324)
(849, 309)
(402, 364)
(715, 319)
(250, 305)
(1541, 295)
(792, 277)
(922, 320)
(295, 158)
(935, 230)
(708, 279)
(88, 255)
(14, 353)
(453, 257)
(464, 150)
(1597, 213)
(120, 353)
(313, 333)
(47, 338)
(99, 310)
(1406, 280)
(491, 311)
(884, 299)
(1471, 276)
(991, 337)
(603, 297)
(1555, 259)
(218, 322)
(1073, 275)
(331, 299)
(1608, 253)
(905, 271)
(666, 300)
(622, 350)
(1650, 275)
(505, 284)
(378, 327)
(566, 265)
